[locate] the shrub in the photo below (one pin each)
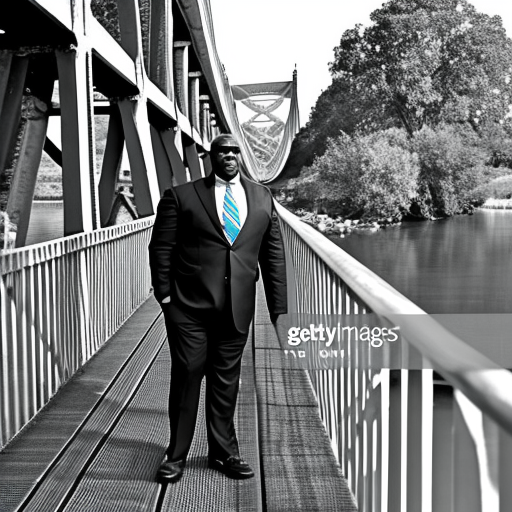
(498, 188)
(368, 176)
(452, 160)
(497, 141)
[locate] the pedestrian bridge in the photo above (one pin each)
(416, 421)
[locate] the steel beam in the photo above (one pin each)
(26, 166)
(5, 71)
(110, 166)
(161, 46)
(58, 10)
(162, 161)
(11, 109)
(138, 144)
(172, 144)
(192, 160)
(207, 164)
(77, 180)
(193, 98)
(181, 75)
(205, 117)
(53, 151)
(112, 55)
(129, 27)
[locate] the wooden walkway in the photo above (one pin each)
(97, 445)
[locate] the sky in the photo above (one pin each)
(263, 40)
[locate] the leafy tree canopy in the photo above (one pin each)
(427, 61)
(421, 63)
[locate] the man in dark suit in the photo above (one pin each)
(208, 238)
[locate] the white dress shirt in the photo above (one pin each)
(238, 193)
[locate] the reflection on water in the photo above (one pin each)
(459, 265)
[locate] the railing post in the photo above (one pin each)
(395, 442)
(467, 491)
(505, 470)
(442, 453)
(414, 440)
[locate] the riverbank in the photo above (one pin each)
(497, 204)
(342, 227)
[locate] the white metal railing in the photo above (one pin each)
(406, 439)
(59, 302)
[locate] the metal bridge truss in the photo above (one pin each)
(151, 66)
(268, 135)
(148, 67)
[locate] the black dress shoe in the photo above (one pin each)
(232, 467)
(170, 472)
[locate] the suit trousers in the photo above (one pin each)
(203, 344)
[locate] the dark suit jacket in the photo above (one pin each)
(192, 261)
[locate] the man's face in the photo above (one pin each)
(225, 162)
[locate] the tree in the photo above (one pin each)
(427, 61)
(451, 160)
(369, 176)
(338, 109)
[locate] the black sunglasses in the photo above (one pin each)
(228, 149)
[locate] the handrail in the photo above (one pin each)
(483, 381)
(16, 259)
(59, 302)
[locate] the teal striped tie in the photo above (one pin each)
(230, 216)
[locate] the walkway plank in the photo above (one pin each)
(97, 446)
(107, 458)
(206, 490)
(122, 475)
(25, 460)
(300, 470)
(60, 481)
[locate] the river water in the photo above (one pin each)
(459, 265)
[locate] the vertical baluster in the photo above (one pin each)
(46, 325)
(505, 470)
(31, 340)
(331, 377)
(24, 348)
(377, 444)
(5, 361)
(414, 440)
(442, 453)
(64, 272)
(353, 399)
(38, 338)
(336, 389)
(467, 491)
(347, 443)
(362, 424)
(395, 442)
